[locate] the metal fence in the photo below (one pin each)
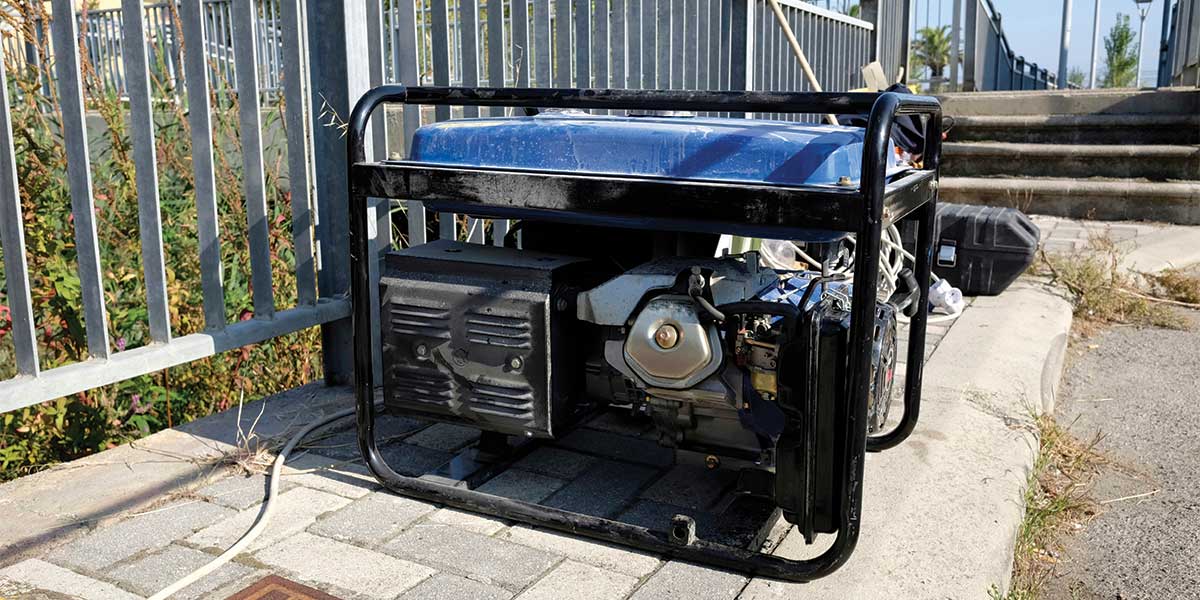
(981, 57)
(666, 44)
(1180, 62)
(102, 35)
(996, 65)
(836, 45)
(105, 363)
(692, 44)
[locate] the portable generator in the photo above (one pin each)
(609, 290)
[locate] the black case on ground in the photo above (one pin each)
(979, 249)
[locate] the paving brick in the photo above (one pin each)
(740, 523)
(467, 520)
(349, 570)
(452, 587)
(410, 460)
(339, 444)
(371, 520)
(657, 516)
(599, 554)
(488, 559)
(237, 491)
(617, 446)
(602, 490)
(1122, 233)
(579, 581)
(38, 575)
(1061, 246)
(772, 589)
(622, 421)
(297, 509)
(151, 573)
(336, 476)
(522, 485)
(556, 462)
(686, 581)
(342, 442)
(444, 437)
(99, 549)
(690, 486)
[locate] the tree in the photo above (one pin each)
(932, 49)
(1120, 55)
(1076, 77)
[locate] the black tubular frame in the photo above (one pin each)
(753, 208)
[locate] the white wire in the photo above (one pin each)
(892, 258)
(261, 523)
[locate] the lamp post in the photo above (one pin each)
(1095, 45)
(1065, 45)
(1143, 7)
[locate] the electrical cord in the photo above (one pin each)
(892, 260)
(268, 509)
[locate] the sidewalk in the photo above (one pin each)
(940, 511)
(1149, 246)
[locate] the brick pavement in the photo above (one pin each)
(336, 530)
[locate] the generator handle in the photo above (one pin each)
(877, 145)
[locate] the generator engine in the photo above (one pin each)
(725, 356)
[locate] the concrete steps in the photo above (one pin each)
(1152, 162)
(1176, 101)
(1104, 199)
(1078, 129)
(1092, 154)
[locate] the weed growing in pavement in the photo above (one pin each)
(1103, 292)
(1056, 501)
(1177, 284)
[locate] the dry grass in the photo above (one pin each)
(1181, 285)
(1103, 292)
(1057, 501)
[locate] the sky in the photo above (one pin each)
(1033, 28)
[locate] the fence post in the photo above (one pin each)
(906, 40)
(338, 41)
(741, 45)
(868, 10)
(970, 46)
(955, 40)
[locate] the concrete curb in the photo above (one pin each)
(941, 511)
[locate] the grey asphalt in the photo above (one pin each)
(1139, 387)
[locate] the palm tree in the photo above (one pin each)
(932, 49)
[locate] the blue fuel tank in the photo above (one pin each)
(720, 149)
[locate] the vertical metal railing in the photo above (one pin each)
(836, 45)
(1180, 61)
(106, 363)
(103, 34)
(989, 62)
(667, 44)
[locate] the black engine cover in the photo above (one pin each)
(481, 335)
